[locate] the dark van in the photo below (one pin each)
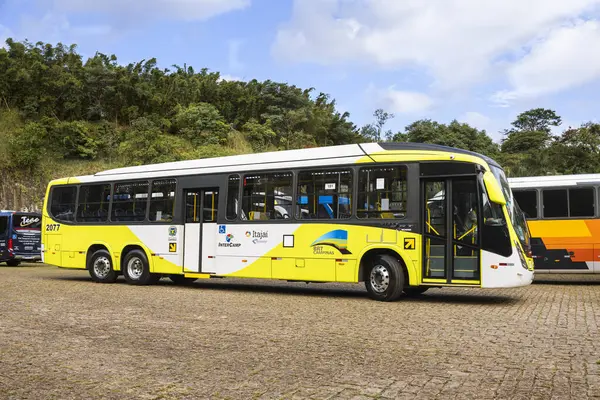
(20, 237)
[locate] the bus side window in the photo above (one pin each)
(556, 203)
(324, 194)
(129, 201)
(93, 203)
(527, 201)
(162, 201)
(62, 203)
(382, 192)
(267, 196)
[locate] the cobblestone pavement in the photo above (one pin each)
(63, 337)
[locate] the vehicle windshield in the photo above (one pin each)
(517, 217)
(26, 221)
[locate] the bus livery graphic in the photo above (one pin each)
(337, 239)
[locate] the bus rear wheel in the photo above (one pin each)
(100, 267)
(136, 269)
(385, 278)
(13, 263)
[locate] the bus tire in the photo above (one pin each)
(385, 278)
(181, 280)
(415, 290)
(136, 269)
(100, 267)
(13, 263)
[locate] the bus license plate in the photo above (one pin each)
(28, 247)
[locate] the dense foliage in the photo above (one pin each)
(60, 115)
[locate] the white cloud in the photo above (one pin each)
(399, 101)
(230, 78)
(183, 10)
(458, 41)
(476, 120)
(567, 58)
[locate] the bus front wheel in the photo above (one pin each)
(385, 279)
(100, 267)
(136, 269)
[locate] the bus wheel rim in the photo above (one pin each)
(135, 268)
(380, 278)
(102, 267)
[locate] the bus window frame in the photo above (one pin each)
(49, 204)
(176, 194)
(241, 196)
(541, 202)
(407, 180)
(538, 200)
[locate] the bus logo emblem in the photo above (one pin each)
(337, 239)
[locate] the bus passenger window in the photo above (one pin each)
(324, 195)
(93, 203)
(555, 203)
(62, 203)
(581, 202)
(129, 201)
(267, 196)
(382, 192)
(162, 202)
(527, 201)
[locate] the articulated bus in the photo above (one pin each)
(399, 217)
(564, 219)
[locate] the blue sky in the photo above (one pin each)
(481, 62)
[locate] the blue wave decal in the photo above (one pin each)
(337, 239)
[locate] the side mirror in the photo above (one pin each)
(493, 188)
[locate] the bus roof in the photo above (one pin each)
(532, 182)
(318, 156)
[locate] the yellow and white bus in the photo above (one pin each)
(399, 217)
(564, 219)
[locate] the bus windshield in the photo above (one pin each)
(517, 218)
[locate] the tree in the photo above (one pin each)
(577, 150)
(373, 132)
(531, 136)
(456, 134)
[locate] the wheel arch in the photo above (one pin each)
(94, 248)
(410, 275)
(135, 246)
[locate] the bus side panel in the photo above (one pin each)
(318, 252)
(563, 246)
(52, 248)
(163, 243)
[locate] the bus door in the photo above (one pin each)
(451, 239)
(200, 227)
